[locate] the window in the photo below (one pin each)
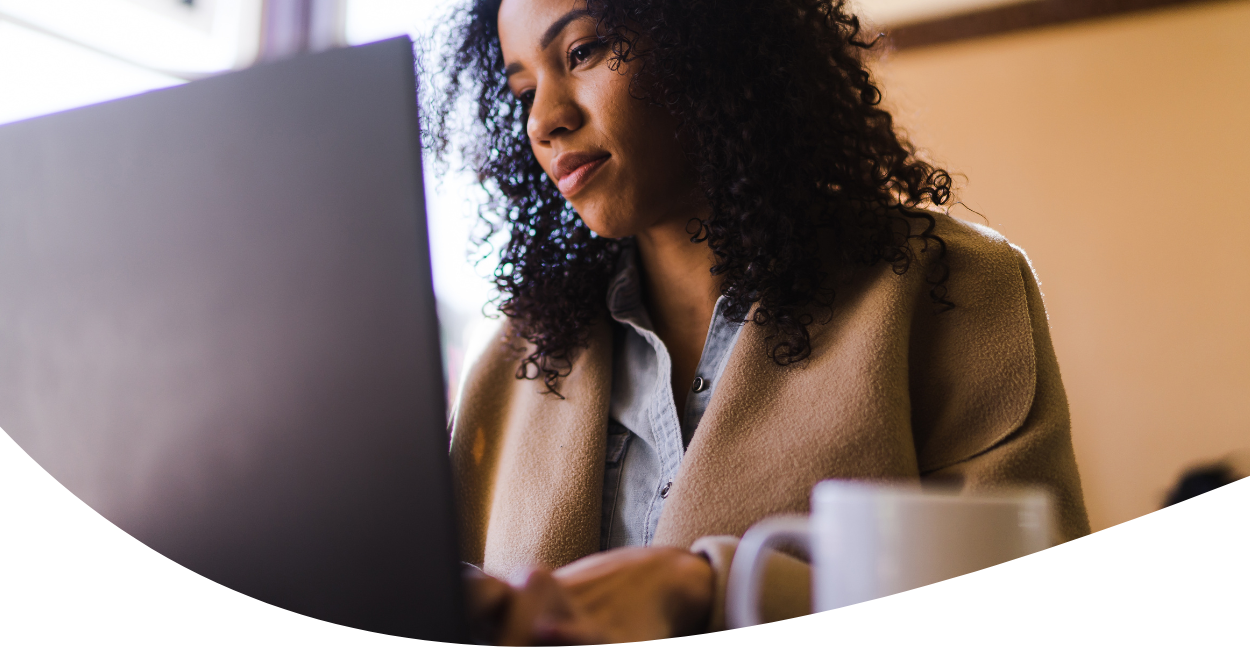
(60, 54)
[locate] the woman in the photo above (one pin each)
(720, 288)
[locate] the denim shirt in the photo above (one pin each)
(646, 439)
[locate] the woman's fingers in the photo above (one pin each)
(641, 593)
(487, 600)
(536, 611)
(627, 594)
(577, 631)
(541, 613)
(485, 594)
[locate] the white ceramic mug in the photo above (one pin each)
(868, 541)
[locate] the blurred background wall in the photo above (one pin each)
(1112, 147)
(1116, 152)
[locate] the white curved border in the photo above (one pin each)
(1177, 579)
(71, 580)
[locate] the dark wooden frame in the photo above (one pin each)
(1015, 17)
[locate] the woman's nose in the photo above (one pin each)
(552, 113)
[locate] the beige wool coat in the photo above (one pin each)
(893, 390)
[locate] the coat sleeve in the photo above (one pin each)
(1039, 452)
(785, 591)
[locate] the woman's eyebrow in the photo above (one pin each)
(548, 36)
(559, 25)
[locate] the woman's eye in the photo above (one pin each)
(527, 100)
(583, 52)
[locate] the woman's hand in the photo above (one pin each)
(627, 594)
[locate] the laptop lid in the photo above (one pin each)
(217, 329)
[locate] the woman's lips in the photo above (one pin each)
(573, 171)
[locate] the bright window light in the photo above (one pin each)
(166, 35)
(42, 74)
(374, 20)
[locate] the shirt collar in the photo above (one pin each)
(625, 289)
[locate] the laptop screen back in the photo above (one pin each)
(217, 329)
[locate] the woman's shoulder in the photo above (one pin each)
(985, 269)
(972, 246)
(982, 353)
(967, 267)
(955, 267)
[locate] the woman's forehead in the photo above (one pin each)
(531, 25)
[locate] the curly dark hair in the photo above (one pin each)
(782, 123)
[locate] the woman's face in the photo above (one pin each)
(614, 157)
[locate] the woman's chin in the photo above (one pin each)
(608, 228)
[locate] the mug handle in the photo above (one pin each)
(742, 601)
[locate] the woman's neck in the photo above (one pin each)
(678, 284)
(680, 296)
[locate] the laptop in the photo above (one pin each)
(217, 328)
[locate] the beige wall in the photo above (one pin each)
(1117, 153)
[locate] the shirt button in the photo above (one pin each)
(664, 491)
(699, 384)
